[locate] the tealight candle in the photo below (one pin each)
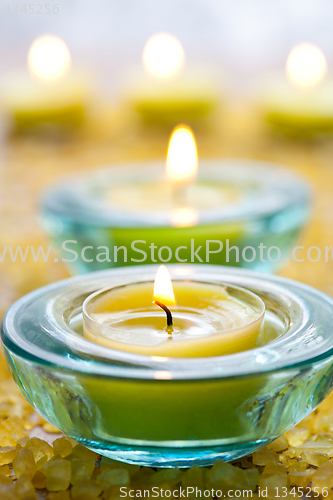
(209, 320)
(51, 93)
(147, 213)
(168, 91)
(301, 102)
(167, 411)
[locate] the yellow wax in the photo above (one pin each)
(291, 109)
(207, 321)
(31, 103)
(191, 95)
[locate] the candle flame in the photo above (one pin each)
(163, 56)
(182, 157)
(49, 58)
(163, 290)
(306, 65)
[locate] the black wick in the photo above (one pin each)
(167, 312)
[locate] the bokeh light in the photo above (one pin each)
(49, 58)
(163, 55)
(306, 65)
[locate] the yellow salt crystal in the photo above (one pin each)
(80, 451)
(298, 465)
(301, 478)
(62, 446)
(24, 463)
(172, 476)
(50, 428)
(8, 495)
(297, 436)
(7, 454)
(11, 430)
(81, 469)
(5, 483)
(193, 477)
(314, 458)
(280, 444)
(41, 462)
(273, 468)
(24, 488)
(23, 441)
(114, 493)
(274, 483)
(223, 475)
(245, 463)
(7, 489)
(142, 477)
(59, 495)
(265, 457)
(5, 470)
(39, 480)
(39, 448)
(58, 473)
(324, 447)
(113, 477)
(323, 478)
(86, 490)
(114, 464)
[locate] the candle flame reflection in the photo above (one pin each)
(163, 290)
(163, 55)
(163, 376)
(306, 65)
(182, 157)
(49, 58)
(184, 217)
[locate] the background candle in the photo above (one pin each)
(301, 102)
(52, 94)
(169, 91)
(134, 215)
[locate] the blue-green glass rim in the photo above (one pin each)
(314, 315)
(277, 189)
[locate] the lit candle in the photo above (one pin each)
(208, 320)
(170, 411)
(169, 91)
(179, 194)
(51, 93)
(155, 213)
(301, 102)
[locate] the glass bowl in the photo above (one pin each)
(251, 216)
(161, 411)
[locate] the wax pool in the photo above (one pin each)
(208, 321)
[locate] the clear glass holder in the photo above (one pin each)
(271, 210)
(165, 412)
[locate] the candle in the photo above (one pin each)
(161, 410)
(168, 91)
(300, 103)
(208, 320)
(157, 213)
(51, 93)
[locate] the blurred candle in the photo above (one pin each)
(301, 102)
(51, 93)
(168, 90)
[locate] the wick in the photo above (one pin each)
(167, 312)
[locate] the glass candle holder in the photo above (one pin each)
(168, 411)
(239, 213)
